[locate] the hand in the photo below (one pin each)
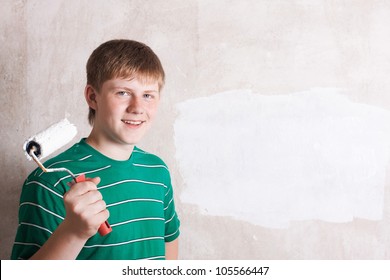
(85, 208)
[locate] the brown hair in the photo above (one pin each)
(123, 59)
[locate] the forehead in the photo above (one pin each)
(132, 83)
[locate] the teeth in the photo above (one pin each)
(132, 122)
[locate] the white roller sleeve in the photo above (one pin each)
(53, 138)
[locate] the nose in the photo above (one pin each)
(135, 106)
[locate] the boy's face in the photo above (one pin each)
(125, 110)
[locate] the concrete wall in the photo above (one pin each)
(274, 119)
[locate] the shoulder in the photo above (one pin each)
(151, 165)
(143, 157)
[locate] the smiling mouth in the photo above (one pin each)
(134, 123)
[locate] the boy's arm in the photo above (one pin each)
(172, 249)
(85, 211)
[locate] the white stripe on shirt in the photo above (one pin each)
(134, 200)
(42, 185)
(43, 208)
(123, 243)
(151, 166)
(34, 225)
(136, 220)
(86, 172)
(131, 181)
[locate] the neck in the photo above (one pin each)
(111, 149)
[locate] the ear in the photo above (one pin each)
(90, 96)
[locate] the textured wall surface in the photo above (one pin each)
(296, 93)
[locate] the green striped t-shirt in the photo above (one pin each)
(138, 194)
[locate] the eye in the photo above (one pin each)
(148, 96)
(123, 93)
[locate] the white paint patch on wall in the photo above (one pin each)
(270, 160)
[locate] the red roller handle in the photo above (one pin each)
(105, 227)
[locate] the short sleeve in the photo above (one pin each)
(172, 222)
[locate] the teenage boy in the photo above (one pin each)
(127, 186)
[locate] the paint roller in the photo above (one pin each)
(46, 142)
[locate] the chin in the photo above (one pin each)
(131, 142)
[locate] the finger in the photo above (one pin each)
(78, 189)
(90, 197)
(86, 205)
(103, 216)
(95, 180)
(96, 207)
(96, 214)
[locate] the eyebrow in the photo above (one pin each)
(129, 89)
